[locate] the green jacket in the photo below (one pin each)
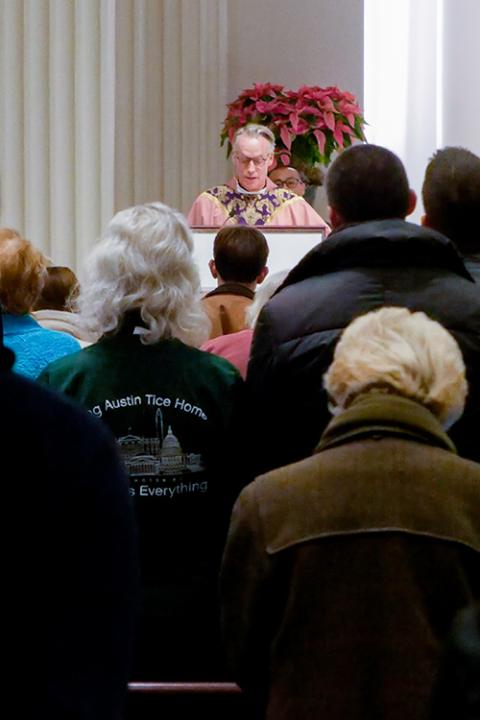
(177, 414)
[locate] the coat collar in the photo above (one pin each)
(384, 415)
(232, 288)
(380, 243)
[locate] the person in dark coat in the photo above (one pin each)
(373, 258)
(451, 198)
(72, 534)
(457, 687)
(342, 573)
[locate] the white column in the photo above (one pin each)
(36, 123)
(62, 133)
(12, 205)
(87, 124)
(461, 71)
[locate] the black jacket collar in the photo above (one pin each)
(380, 243)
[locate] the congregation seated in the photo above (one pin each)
(53, 308)
(238, 265)
(22, 276)
(235, 347)
(177, 414)
(343, 572)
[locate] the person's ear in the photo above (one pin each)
(335, 218)
(213, 269)
(262, 275)
(412, 201)
(272, 164)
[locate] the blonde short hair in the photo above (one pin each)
(144, 262)
(401, 352)
(22, 272)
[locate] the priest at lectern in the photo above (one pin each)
(250, 197)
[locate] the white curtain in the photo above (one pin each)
(422, 68)
(106, 103)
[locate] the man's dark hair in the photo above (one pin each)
(240, 253)
(451, 196)
(368, 182)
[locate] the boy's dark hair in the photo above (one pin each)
(368, 182)
(240, 253)
(451, 196)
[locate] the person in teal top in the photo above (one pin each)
(22, 275)
(177, 414)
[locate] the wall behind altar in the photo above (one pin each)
(309, 42)
(106, 103)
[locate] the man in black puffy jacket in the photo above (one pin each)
(372, 259)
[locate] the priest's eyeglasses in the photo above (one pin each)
(257, 161)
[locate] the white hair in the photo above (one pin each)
(263, 294)
(144, 262)
(402, 352)
(255, 131)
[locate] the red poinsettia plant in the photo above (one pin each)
(309, 124)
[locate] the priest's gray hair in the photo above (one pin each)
(255, 131)
(393, 350)
(144, 261)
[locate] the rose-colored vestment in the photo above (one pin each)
(224, 205)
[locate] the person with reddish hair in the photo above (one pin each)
(23, 270)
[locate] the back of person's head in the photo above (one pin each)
(22, 272)
(368, 182)
(240, 253)
(451, 196)
(144, 262)
(60, 289)
(263, 295)
(252, 130)
(393, 350)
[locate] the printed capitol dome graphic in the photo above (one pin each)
(159, 454)
(171, 452)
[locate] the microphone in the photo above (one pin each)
(230, 216)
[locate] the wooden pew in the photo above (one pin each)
(177, 700)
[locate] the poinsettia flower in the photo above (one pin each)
(321, 140)
(327, 117)
(345, 128)
(338, 136)
(329, 120)
(286, 137)
(272, 106)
